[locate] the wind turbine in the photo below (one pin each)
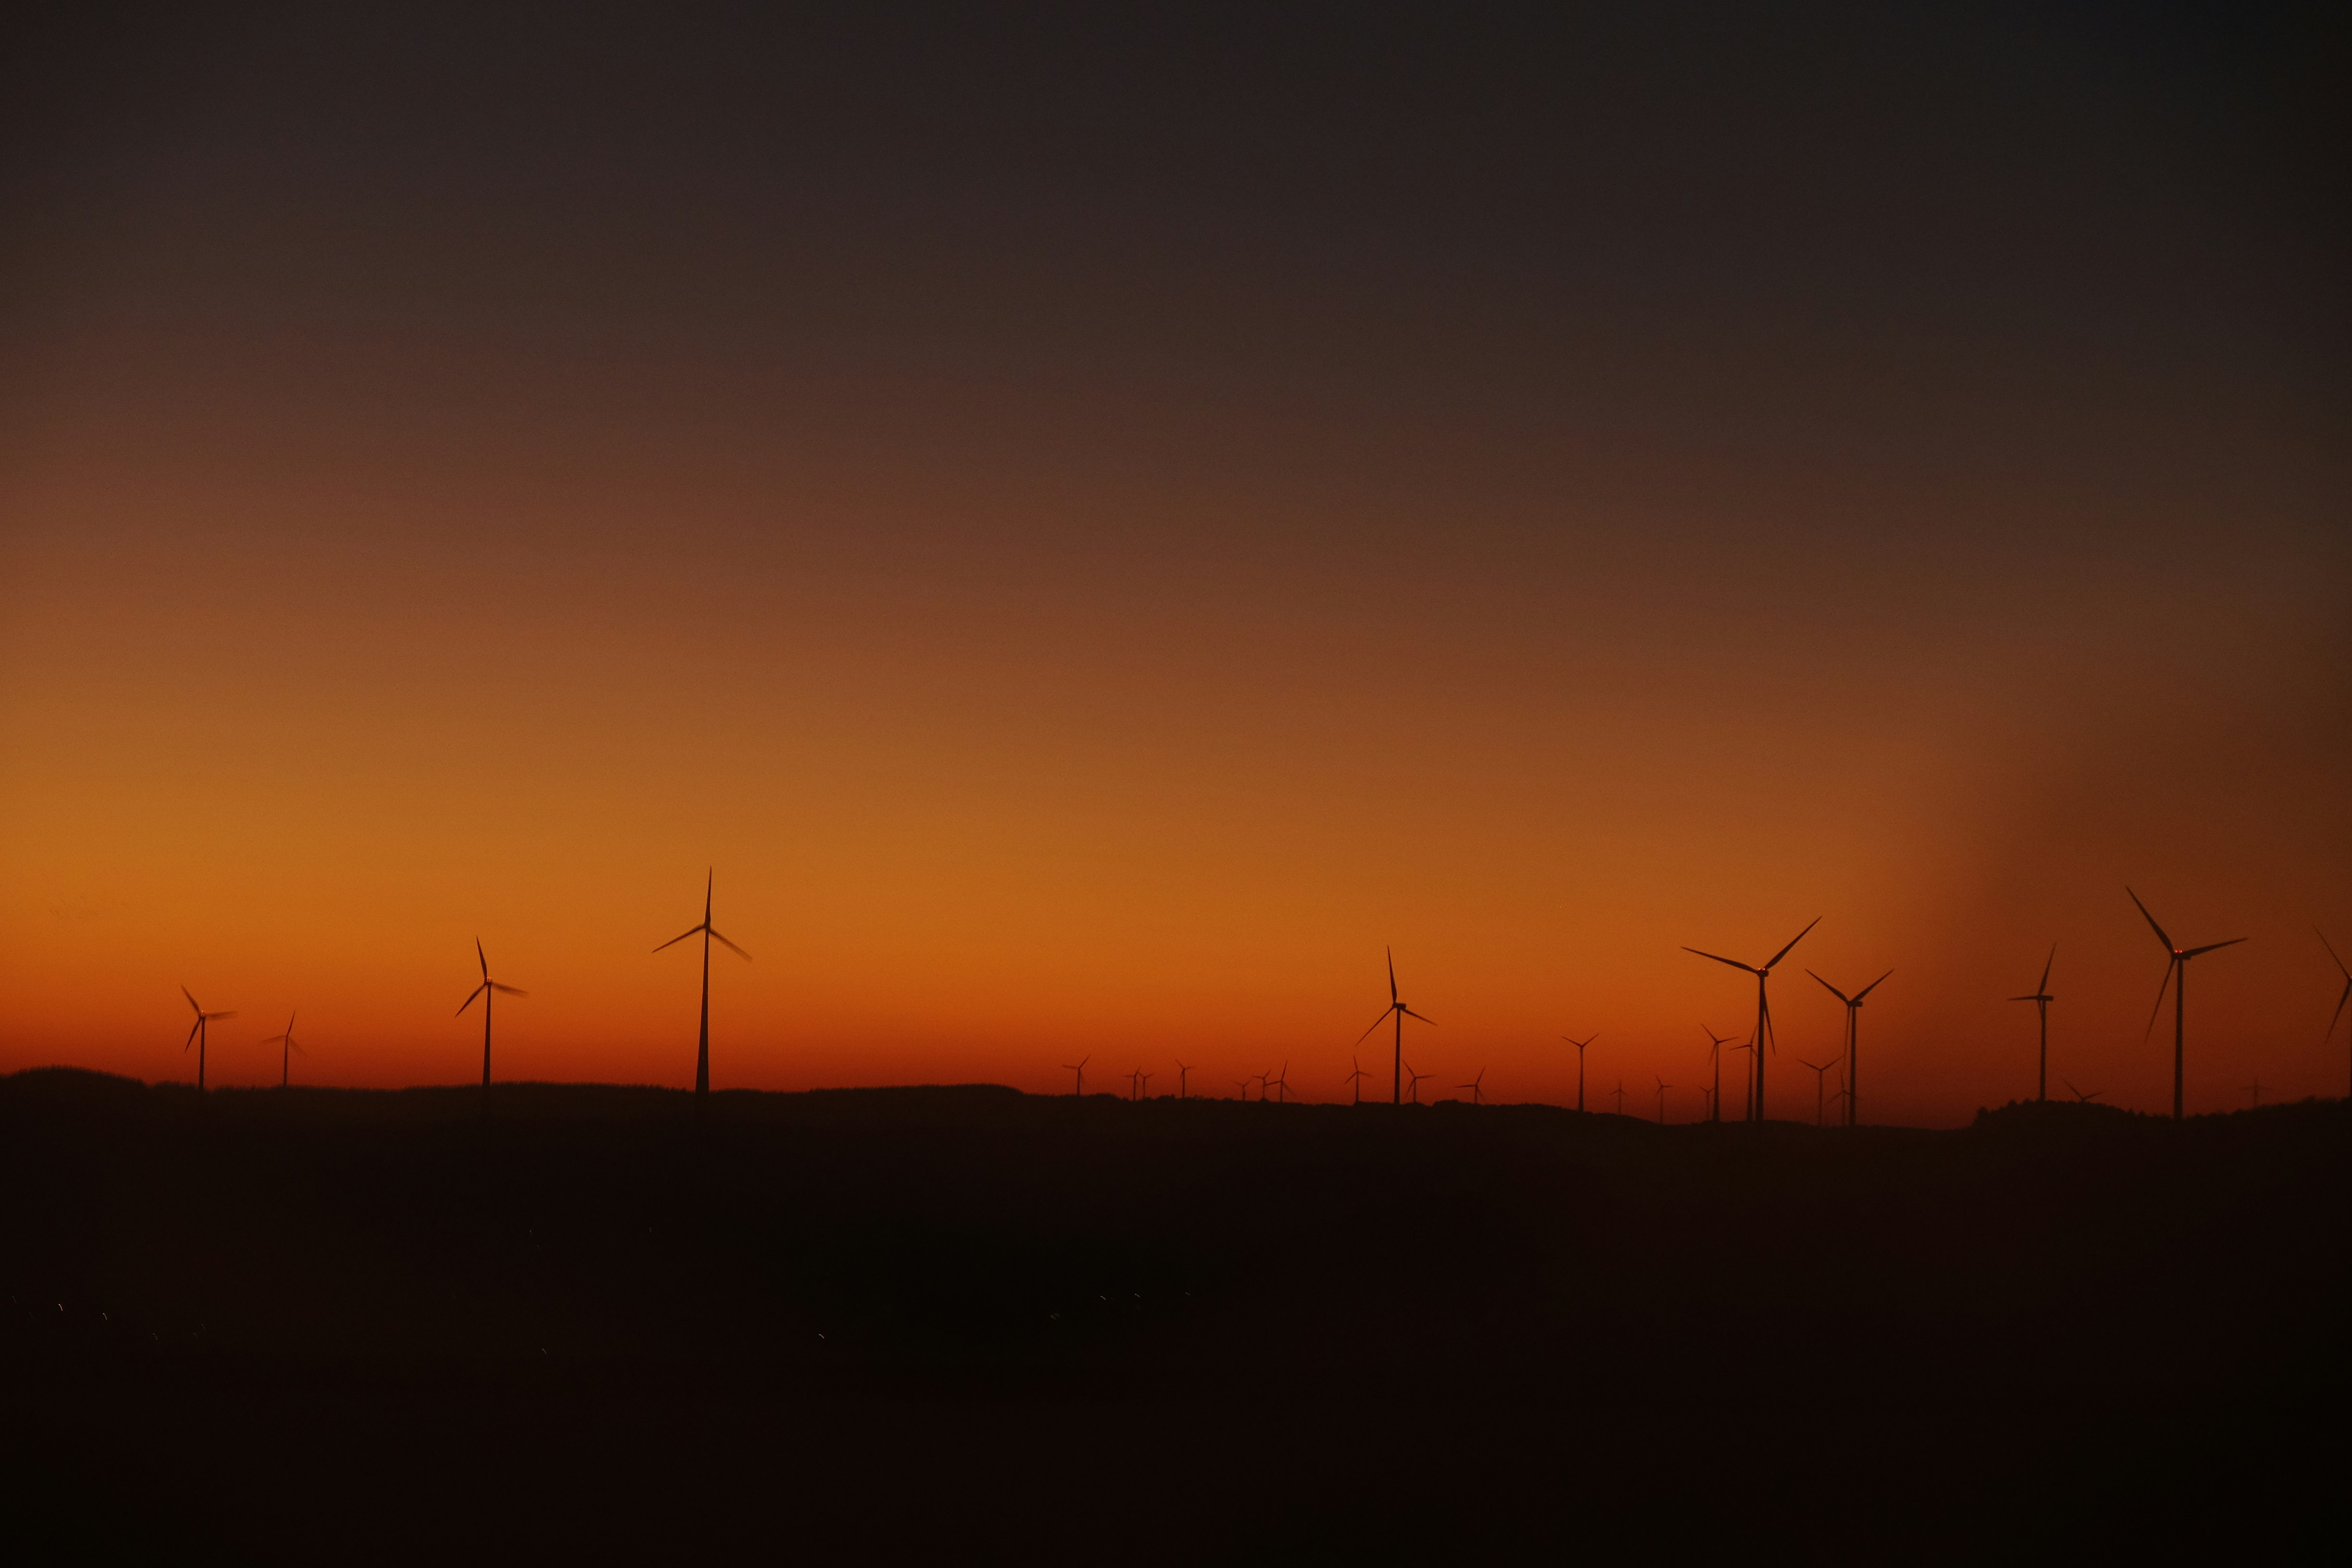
(2255, 1088)
(2176, 975)
(1476, 1087)
(1763, 1013)
(1182, 1076)
(1243, 1084)
(2080, 1098)
(1579, 1046)
(2041, 1000)
(1356, 1081)
(1414, 1080)
(708, 932)
(196, 1032)
(485, 990)
(1852, 1036)
(1715, 1043)
(2340, 1001)
(1135, 1084)
(1400, 1012)
(288, 1044)
(1079, 1068)
(1662, 1086)
(1281, 1082)
(1821, 1084)
(1621, 1097)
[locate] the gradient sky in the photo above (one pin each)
(1092, 528)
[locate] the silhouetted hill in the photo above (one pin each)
(972, 1286)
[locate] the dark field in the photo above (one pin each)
(328, 1325)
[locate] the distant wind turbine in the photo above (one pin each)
(1281, 1082)
(2176, 975)
(1400, 1013)
(2255, 1088)
(1821, 1084)
(1414, 1079)
(1243, 1084)
(1183, 1074)
(708, 934)
(2080, 1098)
(1621, 1097)
(1079, 1068)
(1715, 1043)
(1852, 1039)
(1662, 1086)
(1476, 1087)
(1579, 1046)
(485, 990)
(2340, 1001)
(1356, 1082)
(1763, 1014)
(196, 1033)
(286, 1045)
(2041, 1000)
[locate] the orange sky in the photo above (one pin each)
(1102, 650)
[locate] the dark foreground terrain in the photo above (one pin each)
(329, 1325)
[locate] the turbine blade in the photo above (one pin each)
(679, 937)
(1733, 961)
(2170, 964)
(468, 1002)
(2045, 967)
(1869, 988)
(2151, 920)
(1376, 1024)
(509, 990)
(1392, 990)
(2340, 1003)
(1794, 941)
(2331, 951)
(1410, 1013)
(483, 957)
(730, 947)
(195, 1006)
(200, 1023)
(2212, 947)
(1833, 990)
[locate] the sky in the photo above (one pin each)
(1091, 530)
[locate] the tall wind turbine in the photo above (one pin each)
(1183, 1077)
(1763, 1014)
(708, 934)
(2340, 1001)
(1662, 1086)
(1621, 1097)
(196, 1035)
(1413, 1078)
(1477, 1088)
(1821, 1084)
(2176, 975)
(1852, 1036)
(2041, 1000)
(1078, 1088)
(288, 1044)
(1400, 1012)
(485, 990)
(1579, 1046)
(1281, 1082)
(1715, 1043)
(1356, 1080)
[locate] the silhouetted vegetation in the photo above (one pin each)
(257, 1315)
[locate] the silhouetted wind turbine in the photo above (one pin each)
(2340, 1001)
(1662, 1086)
(1763, 1013)
(1821, 1084)
(2041, 1000)
(1079, 1068)
(286, 1045)
(1356, 1082)
(1243, 1084)
(2255, 1088)
(2080, 1098)
(1852, 1036)
(196, 1033)
(708, 934)
(2176, 975)
(1135, 1084)
(1281, 1082)
(1414, 1079)
(1183, 1074)
(1621, 1097)
(1400, 1012)
(485, 990)
(1476, 1087)
(1715, 1043)
(1579, 1046)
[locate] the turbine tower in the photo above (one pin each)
(2341, 1000)
(1821, 1084)
(1400, 1012)
(1579, 1046)
(485, 990)
(708, 934)
(2041, 1000)
(1078, 1086)
(1356, 1080)
(2176, 975)
(1763, 1015)
(288, 1044)
(196, 1035)
(1852, 1034)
